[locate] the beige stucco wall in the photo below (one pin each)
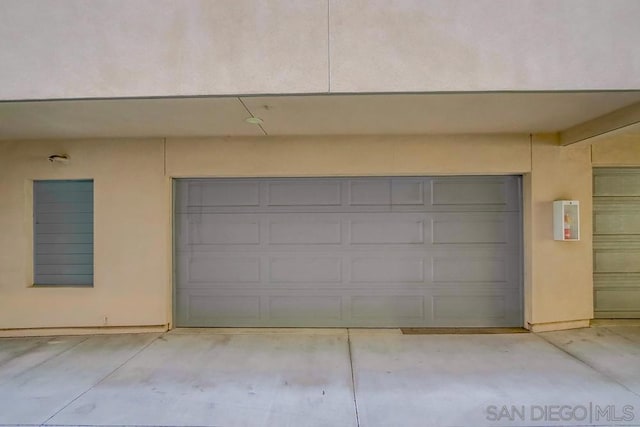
(133, 212)
(123, 48)
(131, 234)
(561, 282)
(619, 150)
(349, 155)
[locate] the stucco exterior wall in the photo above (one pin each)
(132, 232)
(617, 151)
(561, 273)
(349, 156)
(133, 247)
(123, 48)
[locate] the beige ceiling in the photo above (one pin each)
(309, 114)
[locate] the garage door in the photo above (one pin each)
(383, 252)
(616, 242)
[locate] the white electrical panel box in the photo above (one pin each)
(566, 220)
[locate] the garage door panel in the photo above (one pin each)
(387, 269)
(472, 228)
(407, 192)
(616, 280)
(616, 242)
(467, 192)
(370, 192)
(616, 182)
(305, 307)
(181, 232)
(296, 231)
(211, 229)
(224, 307)
(488, 194)
(617, 222)
(388, 308)
(460, 268)
(304, 193)
(366, 308)
(617, 261)
(476, 310)
(300, 269)
(473, 307)
(621, 299)
(222, 193)
(387, 230)
(369, 252)
(223, 269)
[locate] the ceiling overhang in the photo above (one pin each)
(623, 120)
(575, 115)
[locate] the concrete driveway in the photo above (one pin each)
(239, 377)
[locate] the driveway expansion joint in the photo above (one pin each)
(589, 365)
(353, 378)
(101, 379)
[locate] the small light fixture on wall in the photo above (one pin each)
(254, 120)
(59, 158)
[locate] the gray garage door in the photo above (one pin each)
(616, 242)
(378, 252)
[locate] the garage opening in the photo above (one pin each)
(349, 252)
